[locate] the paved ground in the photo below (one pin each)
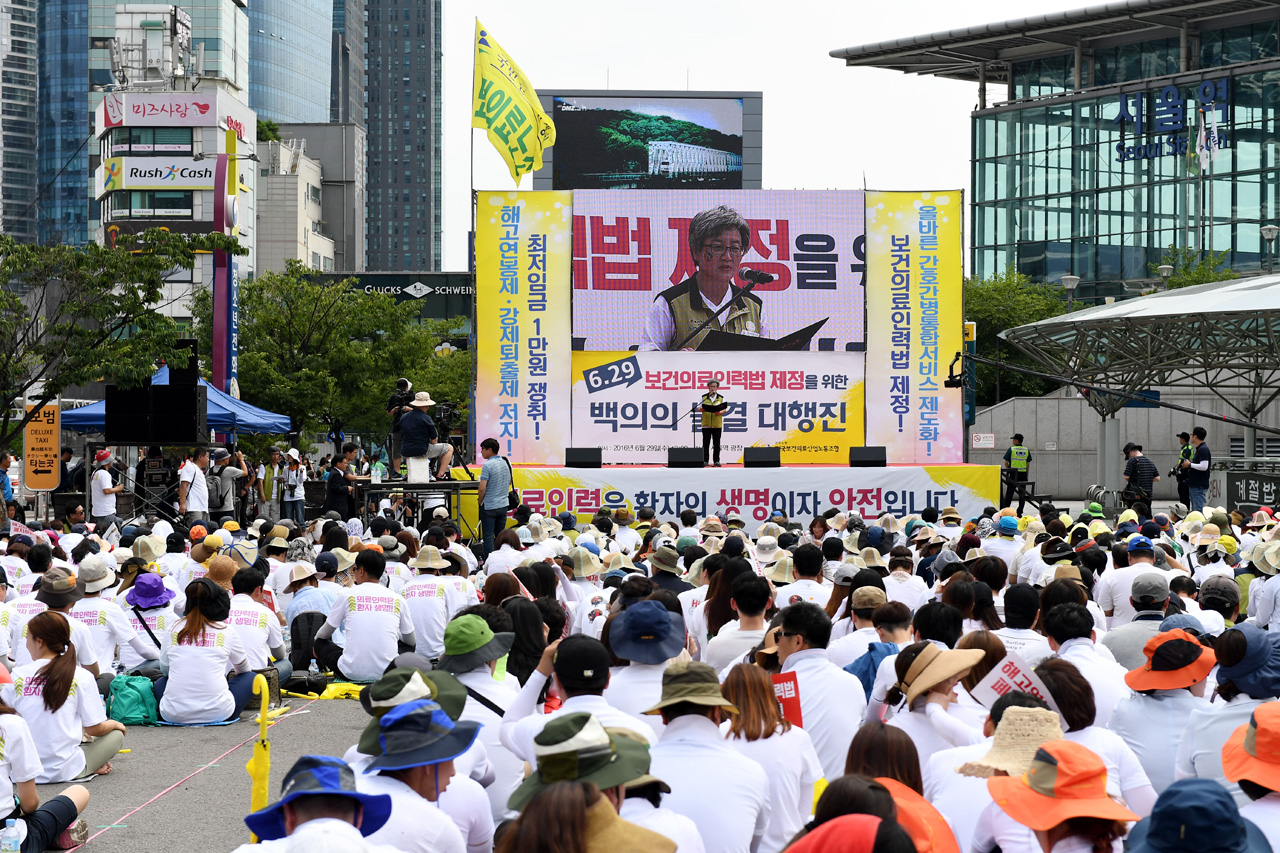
(186, 788)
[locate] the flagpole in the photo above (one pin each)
(471, 237)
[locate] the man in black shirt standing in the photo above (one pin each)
(397, 406)
(1197, 468)
(1140, 475)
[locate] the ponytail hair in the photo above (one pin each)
(57, 676)
(554, 821)
(206, 603)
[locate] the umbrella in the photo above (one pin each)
(259, 765)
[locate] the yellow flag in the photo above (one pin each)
(505, 104)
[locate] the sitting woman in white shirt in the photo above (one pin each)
(507, 553)
(54, 824)
(927, 676)
(60, 700)
(196, 658)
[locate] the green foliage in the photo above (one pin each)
(1191, 267)
(328, 355)
(73, 316)
(1003, 301)
(268, 130)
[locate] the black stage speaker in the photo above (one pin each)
(185, 369)
(684, 457)
(761, 457)
(179, 414)
(867, 457)
(128, 418)
(582, 457)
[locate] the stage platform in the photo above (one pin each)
(801, 492)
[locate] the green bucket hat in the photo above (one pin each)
(469, 642)
(576, 748)
(1095, 509)
(405, 684)
(691, 681)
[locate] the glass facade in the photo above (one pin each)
(402, 115)
(1100, 183)
(62, 213)
(289, 46)
(18, 117)
(346, 73)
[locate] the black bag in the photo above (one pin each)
(513, 496)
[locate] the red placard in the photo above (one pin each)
(786, 687)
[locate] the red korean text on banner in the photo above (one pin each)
(786, 687)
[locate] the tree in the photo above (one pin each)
(268, 130)
(328, 355)
(73, 316)
(1003, 301)
(1191, 267)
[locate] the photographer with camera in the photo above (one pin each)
(295, 475)
(421, 437)
(397, 407)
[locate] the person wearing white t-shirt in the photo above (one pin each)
(749, 599)
(809, 584)
(148, 605)
(851, 646)
(903, 584)
(258, 627)
(374, 619)
(1070, 631)
(193, 490)
(198, 653)
(49, 825)
(1115, 586)
(60, 700)
(760, 733)
(428, 605)
(106, 622)
(1021, 607)
(103, 491)
(58, 592)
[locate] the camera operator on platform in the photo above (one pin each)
(397, 407)
(420, 437)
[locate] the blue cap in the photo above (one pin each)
(646, 632)
(327, 563)
(568, 520)
(1196, 816)
(592, 547)
(1140, 543)
(1008, 524)
(1182, 621)
(319, 775)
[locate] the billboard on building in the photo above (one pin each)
(153, 173)
(634, 271)
(176, 109)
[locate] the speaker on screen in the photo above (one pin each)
(867, 457)
(684, 457)
(582, 457)
(761, 457)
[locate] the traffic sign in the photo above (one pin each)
(42, 449)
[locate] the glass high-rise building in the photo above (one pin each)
(289, 48)
(403, 203)
(346, 72)
(62, 212)
(1087, 163)
(18, 119)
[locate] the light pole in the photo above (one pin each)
(1165, 271)
(1269, 233)
(1069, 283)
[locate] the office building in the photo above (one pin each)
(403, 119)
(289, 46)
(18, 119)
(290, 222)
(346, 80)
(62, 147)
(1086, 162)
(341, 152)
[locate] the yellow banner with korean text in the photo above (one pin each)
(523, 338)
(915, 293)
(505, 104)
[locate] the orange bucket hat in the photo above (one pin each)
(1253, 750)
(1066, 780)
(1174, 659)
(924, 823)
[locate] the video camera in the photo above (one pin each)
(444, 415)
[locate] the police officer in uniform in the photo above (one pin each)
(718, 238)
(1017, 460)
(712, 409)
(1185, 453)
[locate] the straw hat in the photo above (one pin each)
(1208, 534)
(221, 570)
(1065, 780)
(429, 558)
(975, 554)
(769, 529)
(711, 526)
(933, 666)
(889, 522)
(1018, 736)
(873, 559)
(783, 570)
(767, 551)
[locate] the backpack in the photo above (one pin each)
(132, 701)
(865, 667)
(217, 486)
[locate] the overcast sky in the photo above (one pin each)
(826, 126)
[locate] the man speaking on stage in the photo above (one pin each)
(718, 238)
(712, 409)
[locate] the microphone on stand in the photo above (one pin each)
(755, 277)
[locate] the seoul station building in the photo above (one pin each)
(1084, 142)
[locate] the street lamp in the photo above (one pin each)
(1070, 282)
(1269, 233)
(1165, 271)
(253, 157)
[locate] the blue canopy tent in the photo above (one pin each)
(226, 413)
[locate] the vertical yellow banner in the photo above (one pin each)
(915, 319)
(523, 248)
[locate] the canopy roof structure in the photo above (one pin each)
(1222, 337)
(970, 52)
(225, 413)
